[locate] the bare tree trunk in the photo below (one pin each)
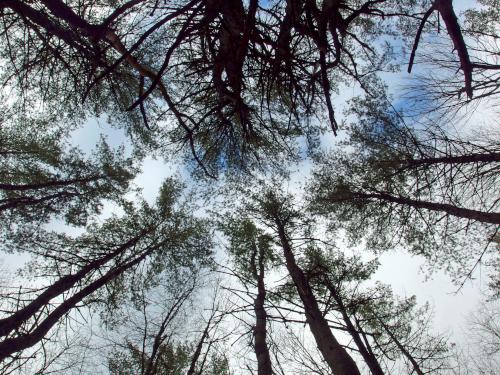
(338, 359)
(485, 217)
(401, 347)
(160, 337)
(12, 203)
(65, 283)
(264, 366)
(471, 158)
(49, 184)
(369, 358)
(21, 342)
(490, 157)
(199, 347)
(445, 9)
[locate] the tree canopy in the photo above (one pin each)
(235, 82)
(234, 267)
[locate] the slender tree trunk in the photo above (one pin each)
(485, 217)
(363, 335)
(408, 163)
(19, 343)
(264, 366)
(160, 337)
(445, 9)
(369, 358)
(337, 357)
(199, 347)
(490, 157)
(49, 184)
(12, 203)
(60, 286)
(403, 350)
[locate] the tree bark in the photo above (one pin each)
(445, 9)
(12, 203)
(264, 366)
(491, 157)
(19, 343)
(49, 184)
(369, 358)
(336, 356)
(485, 217)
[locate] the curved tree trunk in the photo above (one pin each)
(445, 9)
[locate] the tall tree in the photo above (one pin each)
(335, 273)
(42, 178)
(106, 256)
(388, 332)
(148, 332)
(252, 253)
(420, 188)
(333, 294)
(279, 214)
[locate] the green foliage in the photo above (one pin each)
(398, 323)
(483, 19)
(127, 252)
(371, 189)
(395, 328)
(218, 365)
(246, 244)
(233, 104)
(339, 268)
(43, 179)
(240, 86)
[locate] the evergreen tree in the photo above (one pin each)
(97, 266)
(419, 189)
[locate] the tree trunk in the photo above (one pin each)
(369, 358)
(445, 9)
(19, 343)
(199, 347)
(49, 184)
(60, 286)
(405, 352)
(264, 366)
(490, 157)
(13, 203)
(160, 337)
(485, 217)
(338, 359)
